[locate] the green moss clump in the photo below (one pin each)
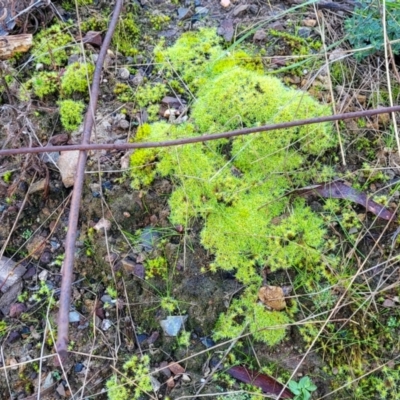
(71, 113)
(197, 56)
(41, 84)
(52, 46)
(134, 382)
(225, 183)
(126, 35)
(158, 20)
(77, 78)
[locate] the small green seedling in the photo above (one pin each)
(303, 388)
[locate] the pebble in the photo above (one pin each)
(124, 73)
(68, 163)
(173, 324)
(311, 23)
(123, 124)
(225, 3)
(240, 10)
(78, 367)
(74, 317)
(106, 324)
(184, 13)
(304, 32)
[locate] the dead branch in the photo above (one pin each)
(67, 270)
(203, 138)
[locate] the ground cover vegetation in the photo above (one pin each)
(199, 229)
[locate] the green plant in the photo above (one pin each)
(71, 113)
(77, 78)
(51, 45)
(126, 35)
(303, 388)
(134, 382)
(158, 20)
(7, 176)
(26, 234)
(364, 27)
(225, 183)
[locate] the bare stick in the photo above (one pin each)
(65, 296)
(202, 138)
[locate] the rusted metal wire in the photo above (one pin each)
(202, 138)
(68, 264)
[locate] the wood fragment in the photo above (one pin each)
(11, 45)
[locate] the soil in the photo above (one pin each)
(109, 329)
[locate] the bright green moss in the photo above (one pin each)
(134, 382)
(225, 183)
(41, 84)
(77, 78)
(198, 55)
(52, 46)
(71, 113)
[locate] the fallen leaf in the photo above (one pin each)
(273, 297)
(176, 369)
(265, 382)
(338, 190)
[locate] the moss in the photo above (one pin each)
(71, 113)
(41, 84)
(225, 183)
(157, 20)
(52, 46)
(134, 382)
(198, 55)
(77, 78)
(126, 35)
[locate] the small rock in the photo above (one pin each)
(225, 3)
(149, 238)
(68, 163)
(46, 258)
(43, 275)
(73, 59)
(173, 324)
(31, 272)
(10, 273)
(137, 79)
(13, 337)
(184, 13)
(388, 303)
(311, 23)
(61, 390)
(240, 10)
(253, 9)
(260, 35)
(124, 73)
(226, 30)
(17, 309)
(123, 124)
(107, 299)
(74, 317)
(103, 224)
(78, 367)
(106, 324)
(141, 337)
(207, 342)
(155, 383)
(35, 247)
(48, 382)
(304, 32)
(201, 11)
(39, 67)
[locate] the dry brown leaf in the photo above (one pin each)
(273, 297)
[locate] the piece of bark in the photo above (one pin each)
(10, 45)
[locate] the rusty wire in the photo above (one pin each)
(68, 264)
(202, 138)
